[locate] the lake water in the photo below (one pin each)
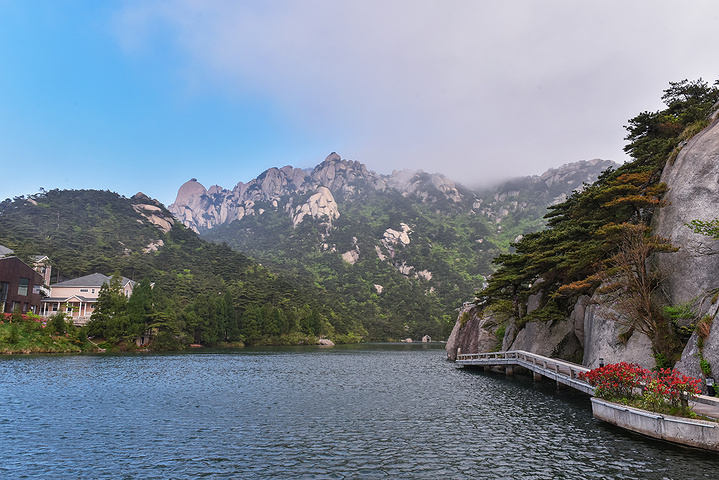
(368, 411)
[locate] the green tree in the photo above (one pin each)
(109, 319)
(140, 309)
(250, 324)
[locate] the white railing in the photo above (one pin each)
(563, 372)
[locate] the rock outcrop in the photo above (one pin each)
(202, 209)
(320, 205)
(591, 332)
(473, 332)
(153, 211)
(603, 339)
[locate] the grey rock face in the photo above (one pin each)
(601, 339)
(577, 317)
(550, 339)
(476, 335)
(691, 273)
(693, 182)
(689, 363)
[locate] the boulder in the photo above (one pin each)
(319, 205)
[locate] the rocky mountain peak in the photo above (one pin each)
(189, 190)
(301, 192)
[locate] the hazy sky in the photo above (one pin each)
(143, 95)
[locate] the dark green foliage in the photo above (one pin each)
(110, 319)
(140, 308)
(710, 228)
(14, 333)
(57, 324)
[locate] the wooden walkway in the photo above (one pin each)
(564, 373)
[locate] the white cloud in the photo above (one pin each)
(474, 89)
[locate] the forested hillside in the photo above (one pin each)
(204, 292)
(404, 250)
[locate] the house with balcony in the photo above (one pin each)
(77, 297)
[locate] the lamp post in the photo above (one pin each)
(601, 362)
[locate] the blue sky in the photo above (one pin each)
(143, 95)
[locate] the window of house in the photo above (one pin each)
(4, 288)
(83, 290)
(23, 286)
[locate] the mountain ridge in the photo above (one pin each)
(199, 208)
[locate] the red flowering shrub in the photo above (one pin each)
(678, 386)
(624, 381)
(616, 380)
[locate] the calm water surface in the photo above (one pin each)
(371, 411)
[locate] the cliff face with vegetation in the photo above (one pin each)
(626, 270)
(691, 272)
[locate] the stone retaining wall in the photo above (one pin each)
(684, 431)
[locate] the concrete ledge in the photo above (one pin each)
(707, 400)
(683, 431)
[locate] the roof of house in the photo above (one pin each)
(4, 251)
(93, 280)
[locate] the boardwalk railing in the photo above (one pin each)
(562, 372)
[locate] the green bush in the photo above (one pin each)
(57, 324)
